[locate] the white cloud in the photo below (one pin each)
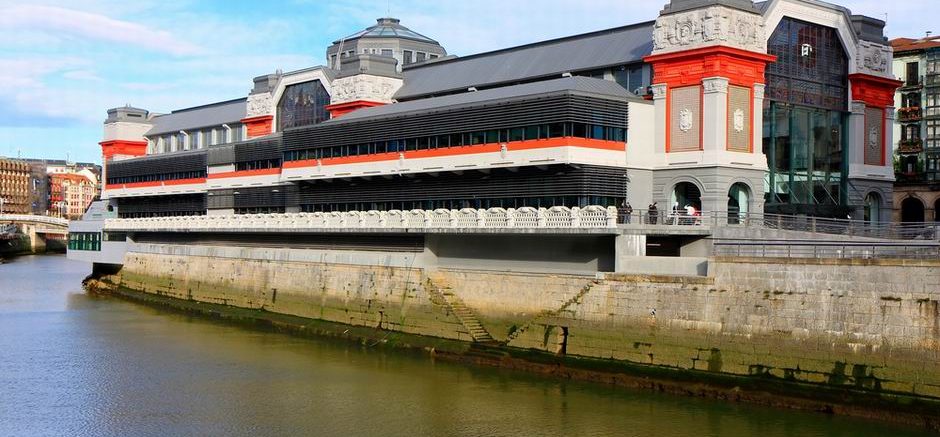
(86, 25)
(87, 75)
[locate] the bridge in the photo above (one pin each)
(24, 233)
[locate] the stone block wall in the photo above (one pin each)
(872, 325)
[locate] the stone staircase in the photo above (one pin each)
(465, 316)
(564, 306)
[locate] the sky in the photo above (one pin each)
(63, 63)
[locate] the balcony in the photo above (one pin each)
(914, 177)
(907, 147)
(910, 114)
(913, 82)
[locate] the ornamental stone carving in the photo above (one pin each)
(715, 85)
(259, 104)
(364, 87)
(659, 91)
(716, 25)
(873, 58)
(759, 91)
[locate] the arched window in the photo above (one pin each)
(873, 208)
(936, 211)
(302, 104)
(739, 197)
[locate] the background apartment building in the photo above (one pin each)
(917, 129)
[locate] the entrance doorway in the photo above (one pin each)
(686, 193)
(912, 210)
(873, 208)
(739, 197)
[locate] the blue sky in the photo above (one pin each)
(64, 63)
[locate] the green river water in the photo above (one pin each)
(77, 365)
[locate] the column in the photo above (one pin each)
(714, 114)
(659, 117)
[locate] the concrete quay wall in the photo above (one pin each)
(870, 325)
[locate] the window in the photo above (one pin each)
(302, 104)
(387, 52)
(913, 75)
(933, 67)
(432, 56)
(422, 57)
(910, 132)
(409, 57)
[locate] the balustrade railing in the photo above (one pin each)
(511, 218)
(493, 218)
(33, 218)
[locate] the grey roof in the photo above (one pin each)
(388, 27)
(214, 114)
(685, 5)
(622, 45)
(576, 84)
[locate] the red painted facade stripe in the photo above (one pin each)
(259, 126)
(873, 90)
(341, 109)
(241, 173)
(466, 150)
(122, 147)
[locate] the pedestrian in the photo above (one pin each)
(628, 210)
(654, 213)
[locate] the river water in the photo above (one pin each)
(76, 365)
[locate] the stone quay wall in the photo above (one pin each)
(863, 324)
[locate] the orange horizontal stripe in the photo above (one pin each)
(466, 150)
(240, 173)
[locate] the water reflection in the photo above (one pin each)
(72, 364)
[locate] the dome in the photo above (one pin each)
(388, 28)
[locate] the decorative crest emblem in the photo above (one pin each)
(806, 50)
(738, 120)
(873, 137)
(685, 120)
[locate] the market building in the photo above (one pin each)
(728, 106)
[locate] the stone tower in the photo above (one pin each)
(708, 59)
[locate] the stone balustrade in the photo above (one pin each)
(493, 218)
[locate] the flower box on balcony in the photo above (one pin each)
(910, 146)
(912, 113)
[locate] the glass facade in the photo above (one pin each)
(85, 241)
(804, 132)
(302, 104)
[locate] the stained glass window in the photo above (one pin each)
(302, 104)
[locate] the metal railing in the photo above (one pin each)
(814, 249)
(493, 218)
(55, 221)
(856, 228)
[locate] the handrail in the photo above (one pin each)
(33, 218)
(827, 249)
(817, 225)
